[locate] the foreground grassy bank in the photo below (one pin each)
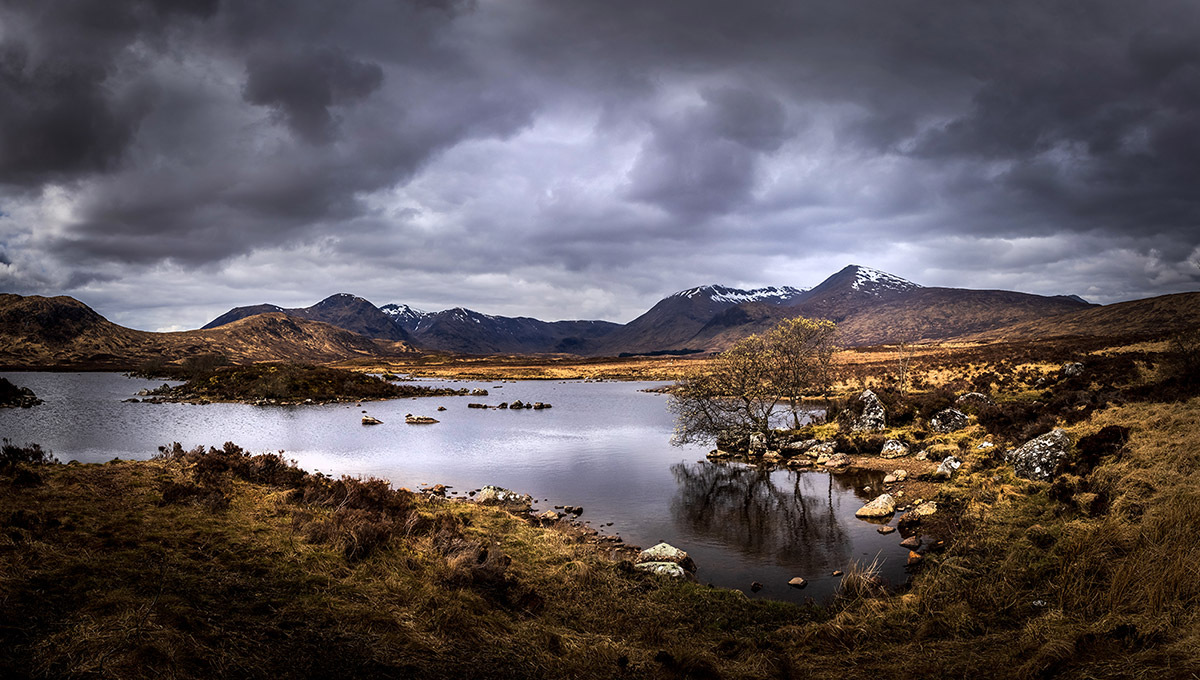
(222, 564)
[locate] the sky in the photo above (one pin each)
(166, 161)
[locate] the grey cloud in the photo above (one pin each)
(304, 87)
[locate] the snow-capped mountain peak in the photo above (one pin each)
(719, 293)
(875, 282)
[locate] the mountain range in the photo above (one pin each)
(869, 306)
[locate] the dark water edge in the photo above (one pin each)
(604, 446)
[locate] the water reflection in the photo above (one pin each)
(778, 515)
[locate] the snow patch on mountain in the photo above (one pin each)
(719, 293)
(875, 282)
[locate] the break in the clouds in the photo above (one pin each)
(165, 161)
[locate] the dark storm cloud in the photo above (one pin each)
(577, 141)
(303, 87)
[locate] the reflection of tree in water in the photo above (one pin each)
(744, 508)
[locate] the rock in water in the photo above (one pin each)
(882, 506)
(837, 460)
(948, 420)
(798, 582)
(894, 448)
(1040, 458)
(665, 552)
(873, 417)
(495, 495)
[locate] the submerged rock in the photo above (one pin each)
(882, 506)
(1040, 458)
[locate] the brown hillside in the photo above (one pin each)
(920, 314)
(62, 332)
(1152, 317)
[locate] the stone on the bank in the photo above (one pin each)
(894, 448)
(948, 420)
(800, 446)
(914, 558)
(495, 495)
(550, 516)
(874, 416)
(882, 506)
(758, 442)
(912, 542)
(1041, 457)
(822, 449)
(926, 509)
(895, 476)
(668, 569)
(947, 468)
(665, 552)
(772, 457)
(838, 460)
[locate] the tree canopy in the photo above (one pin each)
(743, 388)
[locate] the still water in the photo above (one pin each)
(604, 446)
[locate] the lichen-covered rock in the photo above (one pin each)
(1072, 369)
(772, 457)
(822, 449)
(895, 476)
(800, 446)
(665, 552)
(758, 443)
(882, 506)
(974, 399)
(874, 416)
(1041, 458)
(948, 420)
(894, 448)
(947, 468)
(495, 495)
(668, 569)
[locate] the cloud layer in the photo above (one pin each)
(583, 159)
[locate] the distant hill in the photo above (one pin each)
(1152, 317)
(466, 331)
(62, 332)
(342, 310)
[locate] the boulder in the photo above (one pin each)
(926, 509)
(517, 404)
(974, 399)
(665, 552)
(718, 454)
(947, 468)
(912, 542)
(882, 506)
(550, 516)
(895, 476)
(822, 449)
(495, 495)
(1070, 370)
(758, 442)
(772, 457)
(800, 446)
(668, 569)
(838, 460)
(948, 420)
(797, 582)
(894, 448)
(885, 529)
(1041, 457)
(478, 392)
(874, 416)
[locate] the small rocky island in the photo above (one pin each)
(288, 384)
(12, 396)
